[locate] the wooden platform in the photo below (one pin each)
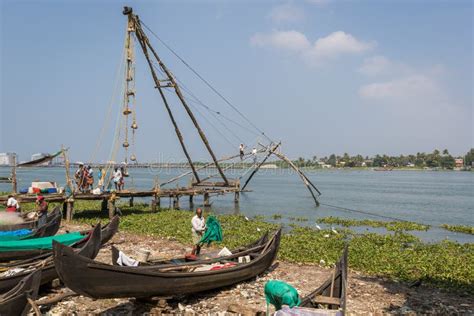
(108, 198)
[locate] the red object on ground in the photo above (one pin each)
(11, 209)
(191, 257)
(224, 266)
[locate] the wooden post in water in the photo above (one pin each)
(207, 201)
(176, 202)
(236, 197)
(191, 201)
(14, 181)
(130, 202)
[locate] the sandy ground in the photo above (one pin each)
(366, 295)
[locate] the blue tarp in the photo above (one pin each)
(14, 234)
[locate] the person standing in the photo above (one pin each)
(122, 179)
(117, 177)
(254, 154)
(241, 151)
(90, 177)
(12, 204)
(199, 227)
(41, 210)
(100, 179)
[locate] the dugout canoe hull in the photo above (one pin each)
(97, 280)
(45, 264)
(15, 301)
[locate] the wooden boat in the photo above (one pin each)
(50, 228)
(108, 232)
(45, 263)
(330, 297)
(98, 280)
(15, 301)
(32, 224)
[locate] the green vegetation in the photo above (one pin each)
(436, 159)
(398, 256)
(459, 228)
(393, 226)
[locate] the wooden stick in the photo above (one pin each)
(56, 298)
(34, 306)
(260, 164)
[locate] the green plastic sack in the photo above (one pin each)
(279, 293)
(213, 231)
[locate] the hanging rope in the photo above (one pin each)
(207, 83)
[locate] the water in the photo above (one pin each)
(428, 197)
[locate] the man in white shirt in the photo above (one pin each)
(12, 204)
(199, 227)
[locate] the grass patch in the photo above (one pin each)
(398, 256)
(392, 226)
(459, 228)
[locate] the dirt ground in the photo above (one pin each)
(366, 295)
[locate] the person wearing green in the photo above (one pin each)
(279, 293)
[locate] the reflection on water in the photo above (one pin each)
(427, 197)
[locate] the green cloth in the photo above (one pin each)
(40, 243)
(213, 231)
(279, 293)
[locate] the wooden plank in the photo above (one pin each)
(319, 299)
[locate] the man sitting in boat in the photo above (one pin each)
(41, 210)
(12, 204)
(199, 227)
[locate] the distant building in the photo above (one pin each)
(6, 159)
(458, 163)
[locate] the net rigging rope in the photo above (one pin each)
(208, 84)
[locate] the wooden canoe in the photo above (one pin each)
(98, 280)
(107, 233)
(50, 228)
(15, 301)
(331, 295)
(89, 249)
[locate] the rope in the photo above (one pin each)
(109, 112)
(207, 83)
(367, 213)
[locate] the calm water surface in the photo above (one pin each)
(427, 197)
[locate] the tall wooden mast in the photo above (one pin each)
(170, 82)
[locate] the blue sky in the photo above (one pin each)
(322, 76)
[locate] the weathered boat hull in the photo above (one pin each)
(15, 301)
(97, 280)
(90, 249)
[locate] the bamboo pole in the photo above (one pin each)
(67, 169)
(181, 98)
(143, 44)
(300, 173)
(14, 180)
(260, 164)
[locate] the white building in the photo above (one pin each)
(6, 159)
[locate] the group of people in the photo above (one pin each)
(84, 177)
(242, 153)
(41, 208)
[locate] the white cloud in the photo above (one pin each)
(286, 13)
(325, 48)
(416, 88)
(287, 40)
(375, 65)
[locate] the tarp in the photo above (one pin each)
(279, 293)
(213, 231)
(14, 234)
(41, 160)
(40, 243)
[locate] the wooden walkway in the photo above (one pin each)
(108, 198)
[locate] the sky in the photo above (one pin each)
(322, 76)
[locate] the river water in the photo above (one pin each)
(428, 197)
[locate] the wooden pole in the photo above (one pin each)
(181, 97)
(207, 201)
(67, 167)
(143, 43)
(300, 173)
(260, 164)
(14, 180)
